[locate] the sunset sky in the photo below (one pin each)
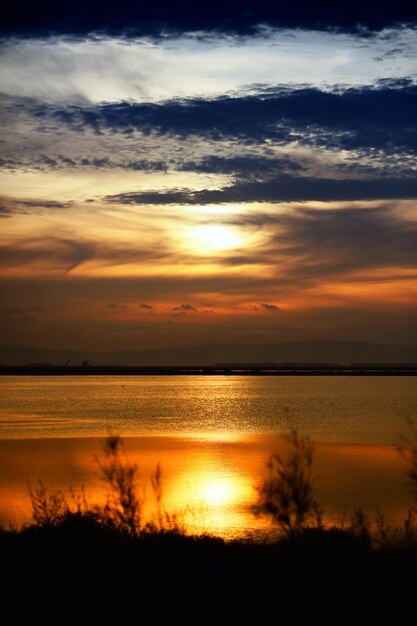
(175, 174)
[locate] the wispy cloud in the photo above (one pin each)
(82, 71)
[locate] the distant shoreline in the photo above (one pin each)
(213, 370)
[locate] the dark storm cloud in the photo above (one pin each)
(380, 117)
(240, 17)
(281, 189)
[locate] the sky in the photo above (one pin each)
(176, 175)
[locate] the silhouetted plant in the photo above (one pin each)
(124, 503)
(156, 482)
(164, 522)
(286, 494)
(47, 508)
(384, 535)
(410, 526)
(318, 513)
(123, 507)
(360, 526)
(408, 450)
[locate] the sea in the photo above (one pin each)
(212, 437)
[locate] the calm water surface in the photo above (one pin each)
(212, 436)
(331, 409)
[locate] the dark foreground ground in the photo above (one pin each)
(80, 573)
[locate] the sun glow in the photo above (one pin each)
(214, 237)
(217, 492)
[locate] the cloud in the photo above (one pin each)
(9, 206)
(361, 133)
(17, 315)
(273, 308)
(185, 308)
(18, 312)
(93, 70)
(115, 306)
(303, 255)
(284, 188)
(293, 246)
(62, 255)
(165, 17)
(380, 116)
(311, 245)
(17, 319)
(145, 306)
(243, 166)
(61, 162)
(44, 204)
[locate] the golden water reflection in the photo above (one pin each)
(209, 482)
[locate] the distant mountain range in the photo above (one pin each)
(341, 352)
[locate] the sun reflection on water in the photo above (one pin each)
(208, 482)
(217, 492)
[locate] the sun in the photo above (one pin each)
(214, 237)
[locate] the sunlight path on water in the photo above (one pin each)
(341, 409)
(210, 485)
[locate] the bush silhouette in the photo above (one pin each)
(125, 499)
(409, 452)
(47, 509)
(124, 504)
(286, 494)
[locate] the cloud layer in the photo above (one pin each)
(185, 174)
